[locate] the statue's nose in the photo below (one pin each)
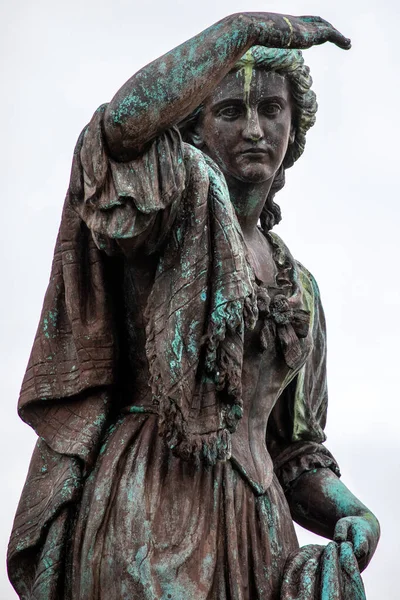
(252, 130)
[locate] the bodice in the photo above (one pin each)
(265, 372)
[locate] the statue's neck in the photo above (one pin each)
(248, 200)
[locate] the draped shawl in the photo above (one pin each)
(200, 303)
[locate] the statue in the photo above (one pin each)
(177, 380)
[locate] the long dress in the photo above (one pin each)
(113, 508)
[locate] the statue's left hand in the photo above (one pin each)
(363, 532)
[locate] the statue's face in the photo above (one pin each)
(246, 124)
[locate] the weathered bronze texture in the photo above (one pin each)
(177, 381)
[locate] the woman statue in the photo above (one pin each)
(177, 380)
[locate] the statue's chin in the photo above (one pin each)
(247, 170)
(254, 173)
(251, 176)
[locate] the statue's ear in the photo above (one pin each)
(292, 134)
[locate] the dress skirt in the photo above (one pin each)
(153, 527)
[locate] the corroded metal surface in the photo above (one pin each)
(177, 380)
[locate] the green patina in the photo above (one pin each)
(208, 566)
(127, 107)
(177, 343)
(216, 491)
(138, 409)
(50, 324)
(99, 420)
(220, 300)
(193, 346)
(181, 63)
(328, 581)
(341, 497)
(179, 234)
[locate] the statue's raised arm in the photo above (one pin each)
(165, 91)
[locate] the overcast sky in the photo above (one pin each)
(61, 60)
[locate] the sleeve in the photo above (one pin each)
(295, 435)
(127, 203)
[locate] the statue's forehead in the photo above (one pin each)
(242, 83)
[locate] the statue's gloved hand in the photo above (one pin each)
(286, 31)
(363, 532)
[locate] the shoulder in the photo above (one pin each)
(308, 281)
(193, 155)
(301, 275)
(204, 174)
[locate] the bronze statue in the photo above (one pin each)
(177, 380)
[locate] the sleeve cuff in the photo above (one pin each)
(300, 458)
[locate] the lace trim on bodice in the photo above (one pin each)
(284, 321)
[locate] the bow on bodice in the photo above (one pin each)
(285, 322)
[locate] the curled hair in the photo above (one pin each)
(289, 63)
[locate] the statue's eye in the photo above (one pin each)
(271, 109)
(229, 112)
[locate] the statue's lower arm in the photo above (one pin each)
(321, 503)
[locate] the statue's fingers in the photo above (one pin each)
(313, 19)
(338, 39)
(341, 530)
(330, 33)
(360, 541)
(361, 550)
(323, 31)
(347, 558)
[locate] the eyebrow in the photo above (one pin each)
(239, 100)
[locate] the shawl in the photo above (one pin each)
(201, 301)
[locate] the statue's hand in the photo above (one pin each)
(363, 532)
(286, 31)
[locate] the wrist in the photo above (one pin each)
(373, 521)
(272, 30)
(248, 26)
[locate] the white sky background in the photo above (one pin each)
(61, 60)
